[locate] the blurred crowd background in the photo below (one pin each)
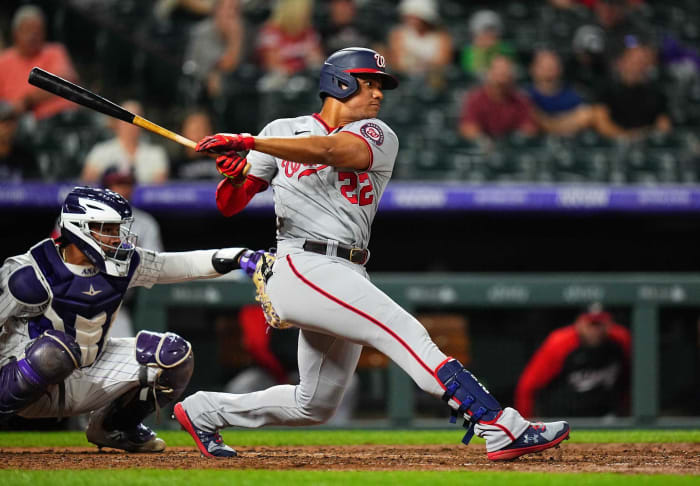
(492, 91)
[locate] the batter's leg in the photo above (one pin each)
(333, 297)
(326, 365)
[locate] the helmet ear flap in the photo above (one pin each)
(336, 83)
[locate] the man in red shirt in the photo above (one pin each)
(497, 108)
(29, 49)
(580, 369)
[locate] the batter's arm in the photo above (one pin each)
(344, 149)
(231, 198)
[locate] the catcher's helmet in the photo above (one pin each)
(83, 215)
(337, 74)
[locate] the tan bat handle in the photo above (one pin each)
(175, 137)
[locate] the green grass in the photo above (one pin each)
(330, 478)
(316, 437)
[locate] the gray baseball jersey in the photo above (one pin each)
(321, 202)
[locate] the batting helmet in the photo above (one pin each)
(339, 70)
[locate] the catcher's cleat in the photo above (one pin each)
(537, 437)
(138, 439)
(210, 444)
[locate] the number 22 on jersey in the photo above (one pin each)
(356, 188)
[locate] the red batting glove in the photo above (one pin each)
(232, 166)
(226, 142)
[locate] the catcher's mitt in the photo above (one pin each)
(263, 271)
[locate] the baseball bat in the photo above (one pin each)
(77, 94)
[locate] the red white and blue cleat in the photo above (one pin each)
(210, 444)
(536, 438)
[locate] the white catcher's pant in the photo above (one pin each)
(338, 310)
(115, 372)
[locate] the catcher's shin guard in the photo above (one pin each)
(48, 360)
(119, 423)
(471, 398)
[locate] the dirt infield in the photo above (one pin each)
(619, 458)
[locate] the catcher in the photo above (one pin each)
(328, 171)
(57, 304)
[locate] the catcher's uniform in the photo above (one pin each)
(83, 304)
(319, 283)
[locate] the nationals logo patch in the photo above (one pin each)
(373, 132)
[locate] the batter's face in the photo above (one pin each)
(367, 101)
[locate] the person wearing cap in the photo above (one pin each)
(580, 369)
(486, 30)
(418, 44)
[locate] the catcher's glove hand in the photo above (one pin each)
(263, 271)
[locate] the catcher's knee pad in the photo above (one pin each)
(472, 399)
(48, 360)
(173, 355)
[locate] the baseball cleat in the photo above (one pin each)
(210, 444)
(138, 439)
(537, 437)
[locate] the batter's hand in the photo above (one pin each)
(232, 166)
(226, 142)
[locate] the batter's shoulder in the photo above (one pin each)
(373, 122)
(286, 127)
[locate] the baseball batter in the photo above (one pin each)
(328, 172)
(57, 304)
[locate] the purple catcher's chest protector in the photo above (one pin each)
(81, 306)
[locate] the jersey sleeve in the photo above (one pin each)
(262, 166)
(382, 142)
(163, 267)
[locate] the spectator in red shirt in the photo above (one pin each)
(580, 370)
(497, 108)
(29, 49)
(287, 42)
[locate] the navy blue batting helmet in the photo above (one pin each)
(339, 70)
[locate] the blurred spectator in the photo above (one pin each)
(287, 42)
(497, 108)
(191, 164)
(486, 29)
(588, 67)
(217, 46)
(632, 105)
(558, 20)
(16, 163)
(342, 29)
(28, 50)
(418, 45)
(188, 9)
(148, 231)
(580, 370)
(129, 151)
(558, 108)
(622, 26)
